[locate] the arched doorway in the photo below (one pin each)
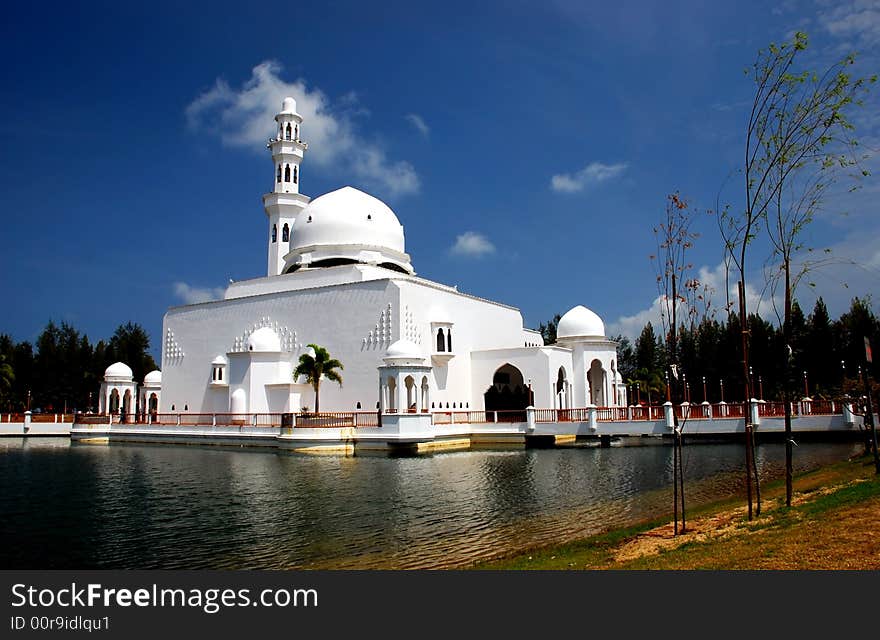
(561, 389)
(596, 379)
(153, 405)
(410, 394)
(114, 402)
(425, 389)
(508, 393)
(391, 405)
(126, 406)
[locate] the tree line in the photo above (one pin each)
(826, 355)
(63, 370)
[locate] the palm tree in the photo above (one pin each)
(649, 382)
(315, 367)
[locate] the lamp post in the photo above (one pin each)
(705, 398)
(721, 384)
(668, 388)
(28, 400)
(638, 394)
(751, 381)
(806, 386)
(684, 383)
(760, 388)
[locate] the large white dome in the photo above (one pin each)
(118, 370)
(347, 226)
(580, 322)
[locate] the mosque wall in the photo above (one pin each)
(354, 322)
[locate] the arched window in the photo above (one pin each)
(274, 233)
(288, 131)
(285, 233)
(359, 405)
(449, 340)
(296, 132)
(441, 342)
(278, 175)
(287, 173)
(295, 176)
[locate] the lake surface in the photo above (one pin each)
(75, 506)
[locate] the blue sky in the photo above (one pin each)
(527, 148)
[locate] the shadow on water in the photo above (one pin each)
(134, 506)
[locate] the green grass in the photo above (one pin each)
(751, 543)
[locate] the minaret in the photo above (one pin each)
(285, 202)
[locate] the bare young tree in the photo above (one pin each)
(679, 293)
(804, 142)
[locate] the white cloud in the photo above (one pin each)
(594, 173)
(858, 19)
(194, 295)
(419, 123)
(757, 301)
(244, 117)
(472, 244)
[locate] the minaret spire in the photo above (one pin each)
(284, 202)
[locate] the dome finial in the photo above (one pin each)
(288, 105)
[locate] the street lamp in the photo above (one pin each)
(760, 388)
(638, 394)
(668, 388)
(705, 398)
(806, 386)
(721, 384)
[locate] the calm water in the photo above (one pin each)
(132, 506)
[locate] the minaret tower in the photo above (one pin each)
(285, 202)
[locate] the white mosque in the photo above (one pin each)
(338, 275)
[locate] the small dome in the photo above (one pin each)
(580, 322)
(154, 377)
(404, 352)
(220, 360)
(118, 370)
(264, 340)
(289, 105)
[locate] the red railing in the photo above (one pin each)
(823, 407)
(11, 417)
(735, 410)
(338, 419)
(51, 417)
(611, 414)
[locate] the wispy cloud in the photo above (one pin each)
(472, 244)
(712, 278)
(193, 295)
(418, 122)
(244, 117)
(594, 173)
(857, 19)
